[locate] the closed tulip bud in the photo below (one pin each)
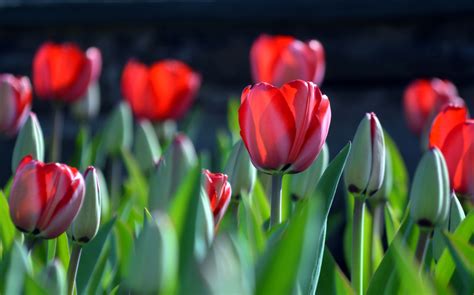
(104, 194)
(146, 148)
(53, 278)
(304, 183)
(429, 195)
(172, 169)
(15, 103)
(154, 267)
(45, 198)
(365, 167)
(118, 130)
(241, 172)
(29, 142)
(218, 191)
(383, 193)
(86, 224)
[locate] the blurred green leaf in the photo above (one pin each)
(233, 117)
(137, 182)
(32, 286)
(259, 201)
(332, 280)
(391, 223)
(20, 266)
(249, 227)
(463, 254)
(315, 233)
(398, 197)
(90, 254)
(62, 250)
(124, 245)
(445, 271)
(7, 228)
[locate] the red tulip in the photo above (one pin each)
(284, 128)
(453, 133)
(61, 72)
(15, 102)
(45, 198)
(163, 91)
(423, 99)
(280, 59)
(219, 191)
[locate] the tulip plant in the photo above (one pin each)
(137, 210)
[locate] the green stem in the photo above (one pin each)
(115, 181)
(375, 233)
(55, 151)
(275, 214)
(422, 246)
(357, 245)
(73, 266)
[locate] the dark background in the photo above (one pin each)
(373, 50)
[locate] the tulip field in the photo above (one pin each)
(137, 209)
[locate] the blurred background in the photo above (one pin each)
(373, 50)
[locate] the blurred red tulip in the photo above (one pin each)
(284, 128)
(280, 59)
(62, 72)
(15, 102)
(219, 192)
(423, 99)
(95, 57)
(453, 133)
(45, 198)
(163, 91)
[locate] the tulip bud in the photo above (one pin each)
(15, 103)
(86, 224)
(104, 194)
(383, 193)
(29, 142)
(87, 107)
(241, 172)
(53, 278)
(429, 195)
(304, 183)
(118, 130)
(172, 169)
(218, 191)
(154, 267)
(146, 148)
(366, 164)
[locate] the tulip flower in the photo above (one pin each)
(284, 128)
(219, 192)
(62, 72)
(164, 91)
(280, 59)
(28, 142)
(453, 133)
(15, 103)
(365, 166)
(423, 99)
(429, 197)
(45, 198)
(363, 176)
(170, 172)
(86, 224)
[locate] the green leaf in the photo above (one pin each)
(90, 253)
(332, 279)
(259, 201)
(391, 223)
(398, 197)
(315, 233)
(62, 250)
(137, 182)
(20, 267)
(249, 228)
(124, 245)
(7, 228)
(445, 271)
(463, 255)
(32, 286)
(233, 117)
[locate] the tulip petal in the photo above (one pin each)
(95, 57)
(264, 55)
(267, 128)
(315, 136)
(317, 61)
(444, 123)
(292, 64)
